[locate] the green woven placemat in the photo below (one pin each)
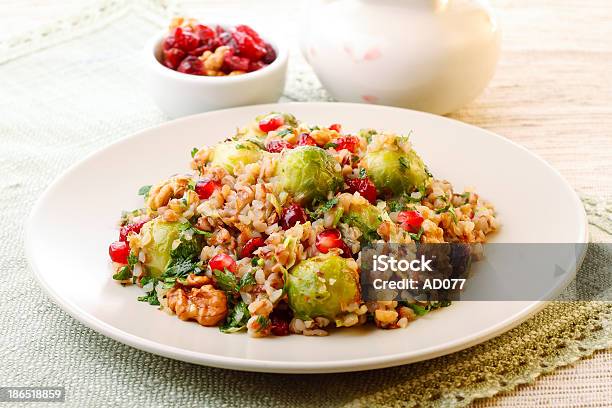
(60, 102)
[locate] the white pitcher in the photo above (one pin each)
(429, 55)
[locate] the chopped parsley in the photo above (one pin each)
(417, 236)
(284, 132)
(257, 142)
(123, 273)
(325, 207)
(194, 151)
(404, 164)
(448, 208)
(330, 144)
(255, 261)
(362, 173)
(228, 282)
(237, 319)
(151, 296)
(367, 134)
(132, 260)
(263, 322)
(423, 310)
(144, 190)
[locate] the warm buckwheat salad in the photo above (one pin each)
(265, 233)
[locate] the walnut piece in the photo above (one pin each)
(206, 305)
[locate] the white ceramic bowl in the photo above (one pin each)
(179, 94)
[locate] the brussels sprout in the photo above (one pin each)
(364, 216)
(308, 173)
(159, 247)
(395, 172)
(232, 153)
(321, 287)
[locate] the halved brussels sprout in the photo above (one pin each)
(232, 153)
(159, 236)
(308, 173)
(322, 287)
(364, 216)
(395, 172)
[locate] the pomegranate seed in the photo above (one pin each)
(331, 239)
(221, 262)
(233, 62)
(185, 40)
(250, 246)
(126, 229)
(291, 215)
(410, 220)
(119, 252)
(349, 143)
(271, 123)
(205, 188)
(337, 127)
(277, 146)
(364, 187)
(173, 57)
(306, 140)
(191, 65)
(270, 55)
(246, 46)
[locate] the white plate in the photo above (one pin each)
(73, 222)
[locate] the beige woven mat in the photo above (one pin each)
(58, 103)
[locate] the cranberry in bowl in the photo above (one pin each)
(196, 67)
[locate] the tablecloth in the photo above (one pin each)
(77, 88)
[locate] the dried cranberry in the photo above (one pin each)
(220, 30)
(410, 220)
(233, 62)
(191, 65)
(200, 50)
(278, 325)
(119, 251)
(225, 38)
(331, 239)
(250, 32)
(306, 140)
(337, 127)
(291, 215)
(277, 146)
(256, 66)
(205, 188)
(349, 143)
(204, 33)
(173, 57)
(185, 40)
(246, 46)
(250, 246)
(271, 123)
(364, 187)
(221, 262)
(270, 55)
(133, 227)
(168, 43)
